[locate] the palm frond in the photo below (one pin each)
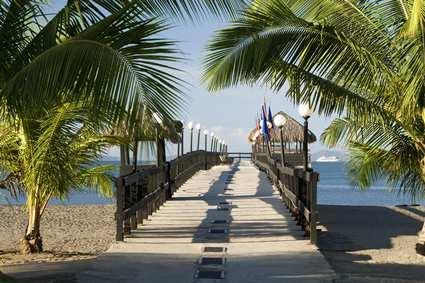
(194, 10)
(367, 164)
(99, 178)
(415, 23)
(252, 42)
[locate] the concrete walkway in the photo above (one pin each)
(253, 238)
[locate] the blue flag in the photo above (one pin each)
(264, 127)
(270, 118)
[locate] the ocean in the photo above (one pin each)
(333, 188)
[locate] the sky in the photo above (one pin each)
(230, 113)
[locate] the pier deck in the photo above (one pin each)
(226, 224)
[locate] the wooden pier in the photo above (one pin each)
(214, 222)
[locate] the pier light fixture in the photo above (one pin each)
(206, 138)
(280, 120)
(212, 141)
(198, 128)
(305, 111)
(190, 127)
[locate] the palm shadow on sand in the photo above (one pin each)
(356, 229)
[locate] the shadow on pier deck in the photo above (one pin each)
(225, 224)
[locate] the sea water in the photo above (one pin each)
(334, 187)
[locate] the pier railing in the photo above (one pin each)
(141, 193)
(298, 189)
(240, 155)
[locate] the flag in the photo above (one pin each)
(270, 118)
(264, 128)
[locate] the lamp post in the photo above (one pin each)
(198, 127)
(182, 131)
(179, 128)
(190, 127)
(206, 139)
(212, 141)
(305, 111)
(279, 120)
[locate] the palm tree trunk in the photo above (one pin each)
(420, 246)
(32, 241)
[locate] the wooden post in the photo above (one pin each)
(168, 181)
(313, 207)
(119, 235)
(135, 150)
(139, 216)
(160, 152)
(133, 222)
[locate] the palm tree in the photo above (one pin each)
(105, 57)
(360, 59)
(61, 158)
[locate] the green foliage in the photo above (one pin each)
(360, 59)
(61, 158)
(91, 67)
(70, 80)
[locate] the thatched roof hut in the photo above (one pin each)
(293, 132)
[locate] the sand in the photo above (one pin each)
(70, 232)
(371, 241)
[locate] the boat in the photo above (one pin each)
(328, 159)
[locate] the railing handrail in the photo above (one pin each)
(143, 191)
(298, 189)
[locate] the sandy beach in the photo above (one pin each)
(372, 242)
(70, 232)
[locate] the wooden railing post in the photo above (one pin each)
(205, 160)
(168, 180)
(119, 235)
(313, 207)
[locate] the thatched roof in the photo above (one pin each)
(293, 131)
(168, 130)
(149, 129)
